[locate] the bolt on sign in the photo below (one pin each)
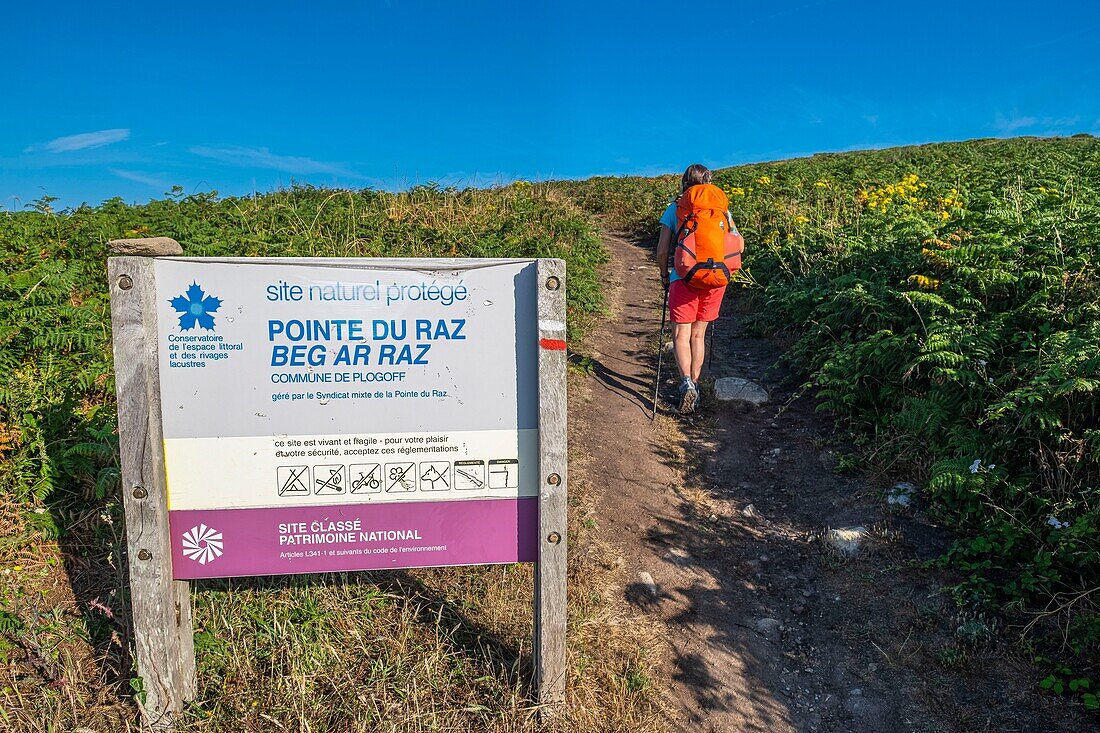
(284, 416)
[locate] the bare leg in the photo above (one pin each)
(681, 347)
(698, 339)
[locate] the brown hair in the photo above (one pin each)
(695, 174)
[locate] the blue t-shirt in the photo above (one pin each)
(668, 219)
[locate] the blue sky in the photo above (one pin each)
(100, 100)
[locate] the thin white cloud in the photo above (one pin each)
(246, 157)
(1049, 125)
(83, 141)
(1009, 125)
(138, 177)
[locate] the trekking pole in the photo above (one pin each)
(710, 347)
(660, 351)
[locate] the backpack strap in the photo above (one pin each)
(707, 266)
(685, 229)
(691, 223)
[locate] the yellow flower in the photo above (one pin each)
(800, 220)
(944, 216)
(822, 183)
(764, 180)
(924, 283)
(736, 191)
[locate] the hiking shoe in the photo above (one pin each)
(689, 395)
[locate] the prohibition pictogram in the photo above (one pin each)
(329, 480)
(401, 476)
(366, 478)
(435, 475)
(292, 480)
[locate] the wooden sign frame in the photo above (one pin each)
(161, 606)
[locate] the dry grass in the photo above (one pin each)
(428, 650)
(59, 657)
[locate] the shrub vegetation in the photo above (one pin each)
(944, 302)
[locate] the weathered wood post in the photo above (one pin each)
(550, 572)
(161, 607)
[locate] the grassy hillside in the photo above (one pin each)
(941, 300)
(428, 650)
(944, 303)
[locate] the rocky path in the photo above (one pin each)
(722, 523)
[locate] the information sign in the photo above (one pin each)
(320, 417)
(292, 415)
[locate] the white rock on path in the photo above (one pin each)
(648, 583)
(846, 540)
(736, 389)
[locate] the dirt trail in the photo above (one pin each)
(768, 628)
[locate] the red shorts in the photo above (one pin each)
(688, 305)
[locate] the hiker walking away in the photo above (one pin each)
(699, 233)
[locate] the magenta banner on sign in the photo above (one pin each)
(216, 543)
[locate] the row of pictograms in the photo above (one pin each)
(398, 477)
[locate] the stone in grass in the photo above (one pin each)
(736, 389)
(846, 540)
(901, 495)
(145, 247)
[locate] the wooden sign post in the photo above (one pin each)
(161, 606)
(373, 413)
(550, 573)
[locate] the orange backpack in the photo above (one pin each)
(708, 245)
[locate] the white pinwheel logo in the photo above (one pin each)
(202, 543)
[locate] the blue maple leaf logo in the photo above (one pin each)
(195, 307)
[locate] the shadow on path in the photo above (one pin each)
(721, 519)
